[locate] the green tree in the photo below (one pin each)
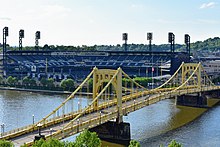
(32, 82)
(4, 143)
(67, 84)
(1, 79)
(43, 81)
(88, 139)
(26, 81)
(50, 82)
(173, 143)
(134, 143)
(12, 80)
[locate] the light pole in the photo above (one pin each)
(39, 128)
(150, 38)
(134, 105)
(2, 129)
(51, 131)
(33, 118)
(100, 117)
(78, 125)
(125, 38)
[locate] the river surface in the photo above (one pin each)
(151, 126)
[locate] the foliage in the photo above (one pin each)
(134, 143)
(67, 84)
(173, 143)
(88, 139)
(216, 80)
(143, 81)
(28, 81)
(43, 81)
(50, 82)
(1, 79)
(47, 82)
(4, 143)
(12, 80)
(85, 139)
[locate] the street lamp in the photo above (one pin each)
(2, 129)
(134, 105)
(100, 117)
(33, 118)
(78, 125)
(39, 128)
(51, 131)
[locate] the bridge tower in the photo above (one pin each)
(103, 76)
(190, 68)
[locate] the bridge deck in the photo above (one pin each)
(26, 138)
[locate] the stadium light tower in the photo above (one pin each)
(171, 40)
(5, 34)
(21, 35)
(125, 38)
(150, 38)
(187, 42)
(37, 37)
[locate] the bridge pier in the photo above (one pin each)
(114, 132)
(192, 100)
(214, 94)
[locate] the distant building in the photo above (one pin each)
(211, 66)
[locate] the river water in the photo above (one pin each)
(151, 126)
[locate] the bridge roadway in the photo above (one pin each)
(130, 103)
(107, 114)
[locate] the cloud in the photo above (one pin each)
(208, 5)
(5, 18)
(53, 10)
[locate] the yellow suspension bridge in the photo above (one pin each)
(114, 94)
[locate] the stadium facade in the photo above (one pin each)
(77, 64)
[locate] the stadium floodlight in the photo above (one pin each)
(5, 34)
(125, 38)
(171, 40)
(6, 31)
(37, 35)
(149, 36)
(21, 33)
(170, 37)
(187, 38)
(187, 42)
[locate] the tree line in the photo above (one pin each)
(85, 139)
(43, 83)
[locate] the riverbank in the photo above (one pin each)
(43, 91)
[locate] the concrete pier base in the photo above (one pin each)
(114, 132)
(192, 100)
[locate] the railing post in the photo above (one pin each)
(100, 117)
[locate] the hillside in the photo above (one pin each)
(211, 44)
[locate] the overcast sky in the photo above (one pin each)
(90, 22)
